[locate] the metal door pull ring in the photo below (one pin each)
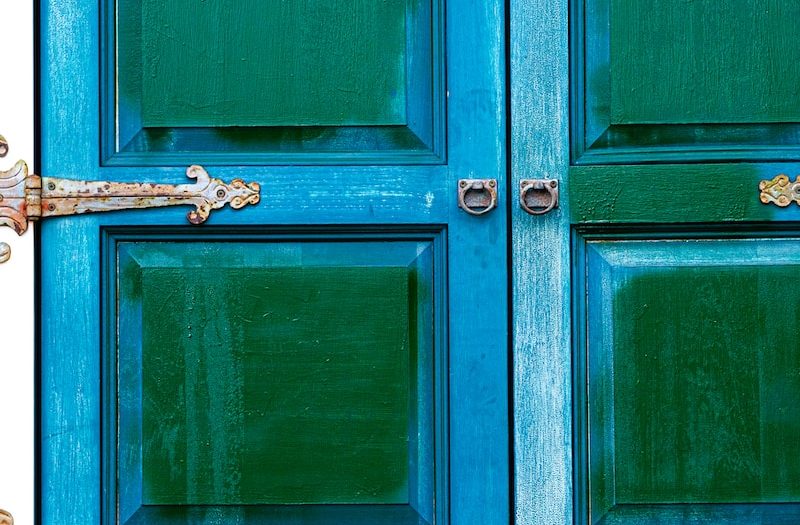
(538, 196)
(477, 196)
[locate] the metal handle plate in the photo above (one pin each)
(538, 196)
(25, 197)
(477, 196)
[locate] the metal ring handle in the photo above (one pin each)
(550, 186)
(479, 207)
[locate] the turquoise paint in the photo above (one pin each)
(309, 198)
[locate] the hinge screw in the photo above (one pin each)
(51, 186)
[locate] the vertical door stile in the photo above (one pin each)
(541, 265)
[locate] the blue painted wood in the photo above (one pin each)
(319, 199)
(539, 53)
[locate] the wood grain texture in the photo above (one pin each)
(246, 63)
(665, 82)
(541, 265)
(296, 113)
(70, 317)
(77, 487)
(478, 315)
(689, 388)
(675, 193)
(704, 61)
(703, 386)
(267, 450)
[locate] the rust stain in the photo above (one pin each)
(27, 197)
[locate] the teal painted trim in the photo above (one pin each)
(479, 416)
(580, 412)
(309, 145)
(70, 469)
(279, 515)
(540, 263)
(678, 143)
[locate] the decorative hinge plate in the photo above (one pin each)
(27, 197)
(780, 191)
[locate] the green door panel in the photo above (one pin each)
(703, 62)
(273, 82)
(664, 81)
(255, 63)
(692, 379)
(276, 373)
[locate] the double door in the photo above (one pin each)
(387, 335)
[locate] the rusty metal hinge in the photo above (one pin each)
(27, 197)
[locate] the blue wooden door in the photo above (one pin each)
(656, 357)
(335, 354)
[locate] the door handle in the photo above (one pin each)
(538, 196)
(477, 196)
(26, 198)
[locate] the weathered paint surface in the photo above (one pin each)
(703, 61)
(255, 63)
(321, 196)
(295, 389)
(691, 391)
(674, 123)
(541, 264)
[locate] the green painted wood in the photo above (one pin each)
(280, 515)
(675, 193)
(706, 384)
(264, 421)
(772, 514)
(692, 387)
(703, 61)
(312, 62)
(705, 81)
(284, 385)
(368, 89)
(244, 398)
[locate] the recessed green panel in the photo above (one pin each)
(693, 374)
(707, 385)
(282, 385)
(271, 63)
(704, 61)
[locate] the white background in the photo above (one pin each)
(16, 276)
